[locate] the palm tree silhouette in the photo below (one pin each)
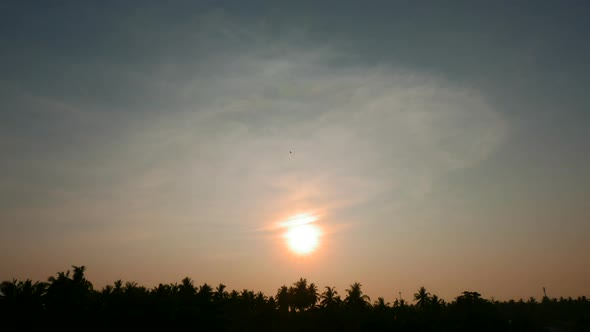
(220, 294)
(423, 297)
(27, 294)
(355, 297)
(435, 301)
(186, 287)
(283, 298)
(469, 298)
(312, 296)
(380, 304)
(69, 297)
(205, 292)
(330, 298)
(300, 295)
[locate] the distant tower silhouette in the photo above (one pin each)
(545, 298)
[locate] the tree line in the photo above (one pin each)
(68, 299)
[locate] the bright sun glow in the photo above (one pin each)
(302, 237)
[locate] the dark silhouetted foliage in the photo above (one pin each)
(69, 301)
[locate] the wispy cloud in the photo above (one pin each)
(210, 139)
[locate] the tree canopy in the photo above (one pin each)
(69, 299)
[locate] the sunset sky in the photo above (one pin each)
(425, 143)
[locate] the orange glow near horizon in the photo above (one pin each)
(302, 237)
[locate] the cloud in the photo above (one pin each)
(356, 132)
(207, 139)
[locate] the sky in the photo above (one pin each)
(437, 144)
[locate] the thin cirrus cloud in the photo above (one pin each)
(355, 133)
(192, 145)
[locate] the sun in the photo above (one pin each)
(303, 239)
(302, 236)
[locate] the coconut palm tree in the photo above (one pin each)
(469, 298)
(380, 304)
(423, 297)
(246, 299)
(283, 298)
(312, 296)
(25, 295)
(69, 297)
(299, 294)
(220, 294)
(355, 297)
(329, 298)
(205, 292)
(435, 301)
(186, 287)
